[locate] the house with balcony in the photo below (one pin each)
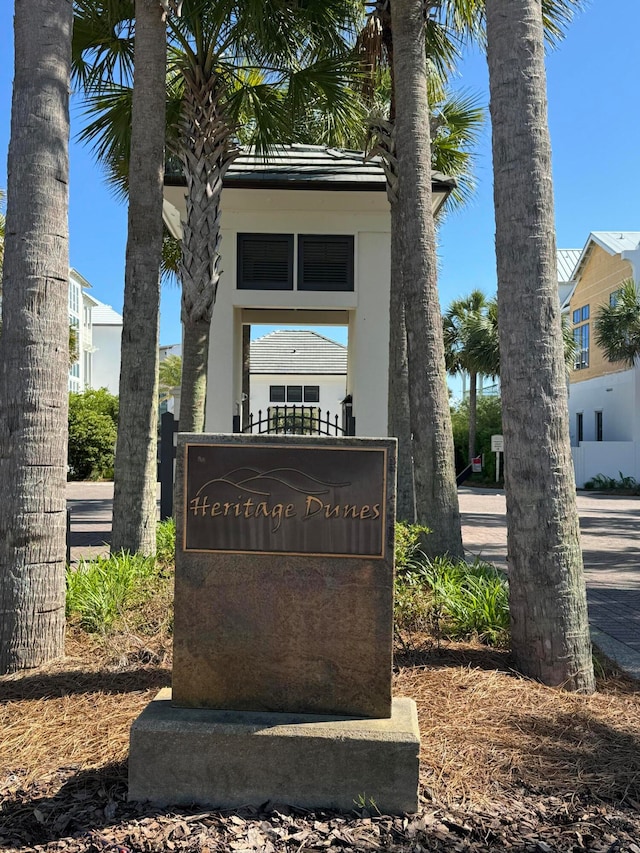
(305, 241)
(604, 397)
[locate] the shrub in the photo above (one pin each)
(603, 483)
(408, 540)
(166, 542)
(93, 417)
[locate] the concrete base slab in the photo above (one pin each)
(228, 759)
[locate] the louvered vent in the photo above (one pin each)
(265, 261)
(325, 262)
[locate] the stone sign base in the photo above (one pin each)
(227, 759)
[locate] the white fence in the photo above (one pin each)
(611, 458)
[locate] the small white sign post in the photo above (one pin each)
(497, 447)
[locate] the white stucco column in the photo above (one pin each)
(369, 336)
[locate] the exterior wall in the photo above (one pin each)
(106, 357)
(611, 458)
(333, 389)
(604, 387)
(366, 216)
(616, 397)
(602, 275)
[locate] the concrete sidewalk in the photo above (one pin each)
(610, 528)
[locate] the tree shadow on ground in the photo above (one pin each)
(574, 751)
(439, 656)
(87, 801)
(74, 681)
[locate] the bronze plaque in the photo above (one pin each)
(292, 499)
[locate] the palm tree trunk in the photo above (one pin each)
(34, 343)
(134, 503)
(473, 413)
(549, 626)
(207, 151)
(433, 455)
(399, 416)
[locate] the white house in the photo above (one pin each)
(81, 306)
(107, 334)
(300, 372)
(305, 240)
(604, 398)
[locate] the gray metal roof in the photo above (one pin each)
(306, 167)
(294, 351)
(104, 315)
(613, 242)
(567, 260)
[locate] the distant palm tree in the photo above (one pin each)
(617, 326)
(471, 346)
(169, 376)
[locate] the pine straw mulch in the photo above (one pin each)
(506, 764)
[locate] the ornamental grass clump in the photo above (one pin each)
(99, 591)
(470, 600)
(448, 598)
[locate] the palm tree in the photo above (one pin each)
(33, 345)
(216, 83)
(169, 376)
(470, 337)
(549, 625)
(2, 225)
(378, 47)
(617, 326)
(414, 231)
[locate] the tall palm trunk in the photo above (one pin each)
(435, 484)
(206, 150)
(549, 627)
(399, 392)
(34, 342)
(473, 413)
(134, 503)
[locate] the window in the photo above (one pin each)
(579, 427)
(276, 393)
(613, 298)
(265, 261)
(598, 426)
(325, 262)
(581, 337)
(294, 393)
(312, 393)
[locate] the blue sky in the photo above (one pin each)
(595, 130)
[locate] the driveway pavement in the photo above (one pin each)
(610, 533)
(610, 528)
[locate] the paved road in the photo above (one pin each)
(610, 528)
